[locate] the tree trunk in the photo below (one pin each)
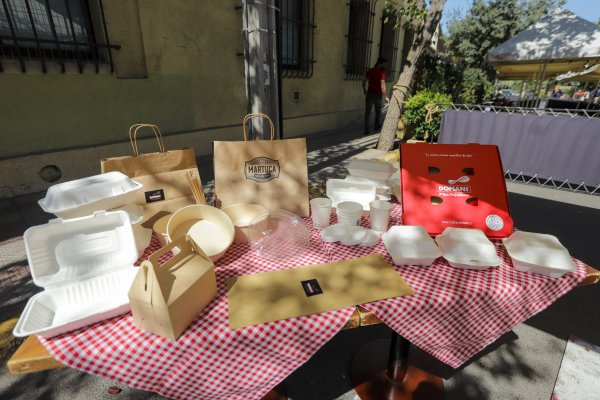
(403, 87)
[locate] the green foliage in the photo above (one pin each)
(414, 113)
(489, 23)
(407, 13)
(475, 86)
(438, 74)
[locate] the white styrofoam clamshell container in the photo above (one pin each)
(410, 245)
(382, 186)
(538, 253)
(371, 169)
(85, 266)
(467, 248)
(339, 190)
(84, 196)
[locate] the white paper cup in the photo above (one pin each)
(380, 214)
(320, 210)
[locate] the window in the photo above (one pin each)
(360, 31)
(388, 44)
(52, 30)
(297, 38)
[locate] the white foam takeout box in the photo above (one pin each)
(467, 248)
(538, 253)
(339, 190)
(85, 266)
(410, 245)
(84, 196)
(371, 169)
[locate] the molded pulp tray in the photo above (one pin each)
(467, 248)
(339, 190)
(84, 196)
(371, 169)
(538, 253)
(85, 266)
(411, 245)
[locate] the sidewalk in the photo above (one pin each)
(509, 369)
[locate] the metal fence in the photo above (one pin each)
(554, 148)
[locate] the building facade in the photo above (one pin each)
(76, 74)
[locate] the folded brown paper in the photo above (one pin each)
(276, 295)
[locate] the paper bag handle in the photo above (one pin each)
(186, 246)
(133, 137)
(249, 117)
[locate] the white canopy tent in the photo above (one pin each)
(558, 43)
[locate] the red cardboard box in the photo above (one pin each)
(454, 185)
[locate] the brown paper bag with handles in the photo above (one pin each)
(165, 299)
(272, 173)
(163, 174)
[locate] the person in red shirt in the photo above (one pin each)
(374, 91)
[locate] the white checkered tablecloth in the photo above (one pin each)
(453, 315)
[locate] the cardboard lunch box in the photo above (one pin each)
(454, 185)
(166, 298)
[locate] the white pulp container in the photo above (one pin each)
(84, 196)
(85, 266)
(410, 245)
(538, 253)
(339, 190)
(467, 248)
(371, 169)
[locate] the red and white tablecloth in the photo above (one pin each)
(453, 315)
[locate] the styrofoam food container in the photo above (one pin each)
(210, 228)
(382, 186)
(410, 245)
(370, 169)
(340, 190)
(538, 253)
(85, 266)
(84, 196)
(242, 215)
(136, 216)
(467, 248)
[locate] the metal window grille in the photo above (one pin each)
(297, 38)
(54, 31)
(388, 44)
(360, 33)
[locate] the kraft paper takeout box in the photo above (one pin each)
(454, 185)
(275, 295)
(165, 299)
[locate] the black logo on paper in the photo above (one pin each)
(154, 195)
(311, 287)
(261, 169)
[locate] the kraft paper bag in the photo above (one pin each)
(272, 173)
(164, 175)
(275, 295)
(165, 299)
